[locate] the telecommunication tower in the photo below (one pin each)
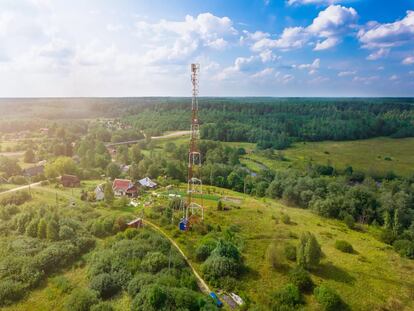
(195, 186)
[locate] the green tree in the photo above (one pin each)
(29, 156)
(31, 229)
(42, 229)
(52, 230)
(109, 193)
(308, 251)
(113, 170)
(136, 154)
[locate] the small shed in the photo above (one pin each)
(34, 171)
(147, 182)
(136, 223)
(99, 193)
(70, 181)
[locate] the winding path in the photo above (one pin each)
(201, 283)
(21, 188)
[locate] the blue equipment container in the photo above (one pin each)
(183, 225)
(216, 300)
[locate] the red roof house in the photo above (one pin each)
(123, 187)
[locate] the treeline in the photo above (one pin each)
(276, 123)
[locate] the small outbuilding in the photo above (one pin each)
(99, 193)
(70, 181)
(147, 182)
(136, 223)
(34, 171)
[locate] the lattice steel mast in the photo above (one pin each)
(194, 156)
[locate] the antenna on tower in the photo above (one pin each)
(194, 185)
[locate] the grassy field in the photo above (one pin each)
(377, 155)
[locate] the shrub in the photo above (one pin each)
(290, 252)
(274, 256)
(138, 282)
(102, 306)
(344, 246)
(349, 221)
(150, 298)
(62, 283)
(10, 291)
(204, 250)
(301, 278)
(18, 180)
(285, 219)
(387, 236)
(308, 252)
(220, 205)
(327, 298)
(104, 285)
(154, 262)
(227, 249)
(216, 267)
(287, 297)
(405, 248)
(17, 198)
(81, 299)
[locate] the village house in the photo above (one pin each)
(99, 192)
(123, 187)
(70, 181)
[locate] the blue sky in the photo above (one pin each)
(245, 48)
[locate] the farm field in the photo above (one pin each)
(376, 155)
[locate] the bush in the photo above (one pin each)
(290, 252)
(405, 248)
(138, 282)
(344, 246)
(17, 198)
(104, 285)
(150, 298)
(102, 306)
(204, 250)
(287, 297)
(274, 256)
(301, 278)
(226, 249)
(285, 219)
(387, 236)
(18, 180)
(216, 267)
(10, 292)
(349, 221)
(327, 298)
(81, 299)
(154, 262)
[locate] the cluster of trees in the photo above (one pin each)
(147, 267)
(38, 240)
(307, 255)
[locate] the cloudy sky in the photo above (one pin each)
(244, 47)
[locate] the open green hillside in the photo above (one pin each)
(374, 156)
